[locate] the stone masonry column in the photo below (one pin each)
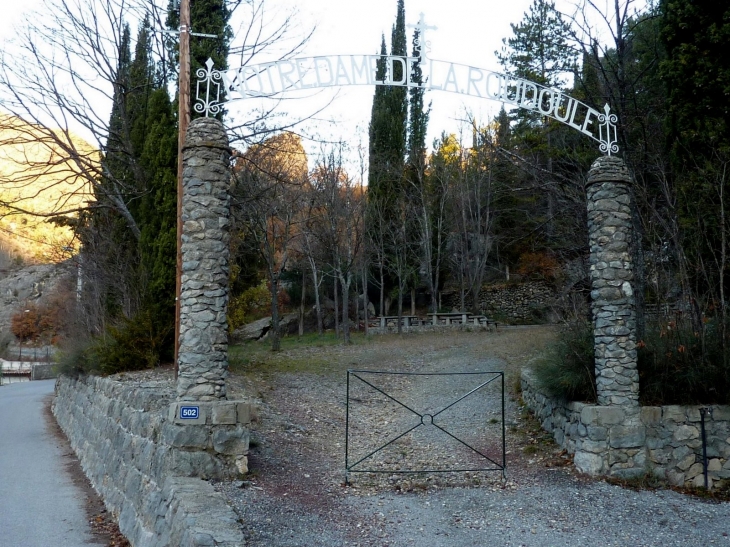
(615, 441)
(207, 433)
(612, 296)
(203, 354)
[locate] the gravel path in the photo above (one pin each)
(296, 494)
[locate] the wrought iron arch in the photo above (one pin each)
(267, 80)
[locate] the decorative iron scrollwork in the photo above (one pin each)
(209, 104)
(607, 131)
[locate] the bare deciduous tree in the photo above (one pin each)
(342, 207)
(271, 179)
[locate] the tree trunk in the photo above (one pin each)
(275, 338)
(382, 291)
(365, 299)
(475, 303)
(337, 310)
(413, 301)
(301, 302)
(345, 309)
(400, 310)
(357, 309)
(317, 302)
(462, 301)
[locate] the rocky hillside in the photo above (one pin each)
(36, 181)
(21, 285)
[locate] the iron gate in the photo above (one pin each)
(424, 422)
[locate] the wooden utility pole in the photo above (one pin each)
(183, 121)
(183, 98)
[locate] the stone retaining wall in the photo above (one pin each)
(146, 467)
(515, 302)
(667, 443)
(43, 371)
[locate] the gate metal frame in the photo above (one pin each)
(425, 419)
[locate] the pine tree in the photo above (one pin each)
(539, 48)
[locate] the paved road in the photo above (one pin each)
(39, 504)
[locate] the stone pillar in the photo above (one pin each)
(613, 306)
(203, 354)
(616, 438)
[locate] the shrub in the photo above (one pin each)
(251, 304)
(254, 303)
(682, 364)
(47, 320)
(76, 358)
(133, 344)
(567, 369)
(540, 265)
(30, 322)
(677, 364)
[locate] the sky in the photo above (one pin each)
(469, 32)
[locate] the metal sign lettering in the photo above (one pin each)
(271, 79)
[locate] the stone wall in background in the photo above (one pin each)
(150, 470)
(514, 303)
(667, 444)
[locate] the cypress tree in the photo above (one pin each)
(388, 138)
(378, 131)
(397, 97)
(206, 17)
(417, 117)
(389, 120)
(157, 211)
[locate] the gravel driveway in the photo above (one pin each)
(297, 496)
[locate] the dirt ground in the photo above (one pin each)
(297, 494)
(298, 439)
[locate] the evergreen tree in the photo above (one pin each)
(417, 117)
(537, 51)
(206, 17)
(387, 183)
(133, 273)
(696, 35)
(539, 48)
(388, 123)
(397, 97)
(378, 132)
(108, 244)
(157, 211)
